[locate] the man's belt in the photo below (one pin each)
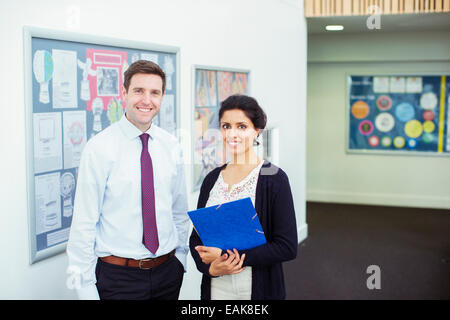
(143, 264)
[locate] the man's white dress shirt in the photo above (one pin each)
(107, 218)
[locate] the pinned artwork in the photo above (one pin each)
(97, 111)
(86, 67)
(169, 69)
(65, 86)
(74, 137)
(67, 191)
(115, 110)
(43, 72)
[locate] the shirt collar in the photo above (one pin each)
(132, 132)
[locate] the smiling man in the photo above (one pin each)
(130, 224)
(143, 97)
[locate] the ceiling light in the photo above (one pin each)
(334, 28)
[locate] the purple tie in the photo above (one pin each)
(150, 237)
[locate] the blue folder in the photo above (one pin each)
(229, 225)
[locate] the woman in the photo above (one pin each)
(255, 273)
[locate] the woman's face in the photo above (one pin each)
(238, 132)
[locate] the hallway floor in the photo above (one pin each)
(411, 247)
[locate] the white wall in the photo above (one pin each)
(333, 175)
(266, 36)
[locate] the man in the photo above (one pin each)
(130, 224)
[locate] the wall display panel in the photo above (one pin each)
(211, 86)
(73, 90)
(398, 114)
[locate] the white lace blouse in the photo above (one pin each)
(243, 189)
(236, 286)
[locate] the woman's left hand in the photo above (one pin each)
(208, 254)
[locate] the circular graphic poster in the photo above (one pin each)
(405, 112)
(384, 103)
(429, 101)
(428, 115)
(399, 114)
(399, 142)
(386, 141)
(384, 122)
(366, 127)
(413, 129)
(429, 126)
(360, 109)
(412, 143)
(374, 141)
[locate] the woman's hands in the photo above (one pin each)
(228, 263)
(208, 254)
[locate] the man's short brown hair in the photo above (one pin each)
(143, 66)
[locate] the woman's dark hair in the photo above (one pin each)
(248, 105)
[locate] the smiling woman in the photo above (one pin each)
(241, 120)
(255, 273)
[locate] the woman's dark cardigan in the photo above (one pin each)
(275, 208)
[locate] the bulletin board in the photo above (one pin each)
(72, 92)
(398, 114)
(211, 86)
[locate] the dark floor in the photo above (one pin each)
(411, 246)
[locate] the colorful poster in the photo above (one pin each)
(399, 114)
(205, 88)
(211, 88)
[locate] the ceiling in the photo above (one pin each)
(388, 23)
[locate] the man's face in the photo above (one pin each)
(143, 99)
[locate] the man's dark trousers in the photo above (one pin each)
(116, 282)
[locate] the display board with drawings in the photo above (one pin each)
(73, 90)
(398, 114)
(211, 86)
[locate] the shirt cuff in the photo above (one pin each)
(88, 292)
